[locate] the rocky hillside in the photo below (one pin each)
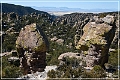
(20, 10)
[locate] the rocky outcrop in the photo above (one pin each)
(79, 30)
(70, 55)
(12, 15)
(77, 57)
(96, 40)
(32, 45)
(73, 19)
(116, 39)
(58, 41)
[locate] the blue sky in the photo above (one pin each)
(85, 4)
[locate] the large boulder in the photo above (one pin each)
(96, 40)
(31, 46)
(68, 57)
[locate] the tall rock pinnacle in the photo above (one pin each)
(31, 46)
(96, 40)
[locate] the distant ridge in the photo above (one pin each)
(66, 9)
(20, 10)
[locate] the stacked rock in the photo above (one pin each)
(31, 46)
(96, 40)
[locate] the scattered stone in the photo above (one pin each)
(60, 41)
(13, 59)
(54, 38)
(39, 75)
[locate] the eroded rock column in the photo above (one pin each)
(96, 40)
(32, 45)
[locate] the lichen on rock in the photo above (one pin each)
(94, 34)
(96, 40)
(31, 46)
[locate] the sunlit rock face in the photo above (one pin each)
(31, 46)
(96, 40)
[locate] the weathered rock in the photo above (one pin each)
(32, 45)
(96, 41)
(70, 55)
(108, 19)
(54, 38)
(60, 41)
(116, 39)
(10, 59)
(12, 15)
(73, 19)
(10, 30)
(79, 31)
(77, 56)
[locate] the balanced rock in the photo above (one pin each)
(95, 42)
(31, 46)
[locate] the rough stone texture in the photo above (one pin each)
(70, 55)
(116, 39)
(78, 56)
(79, 31)
(60, 41)
(96, 41)
(108, 19)
(31, 46)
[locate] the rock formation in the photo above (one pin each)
(70, 55)
(31, 46)
(77, 56)
(96, 40)
(74, 19)
(116, 39)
